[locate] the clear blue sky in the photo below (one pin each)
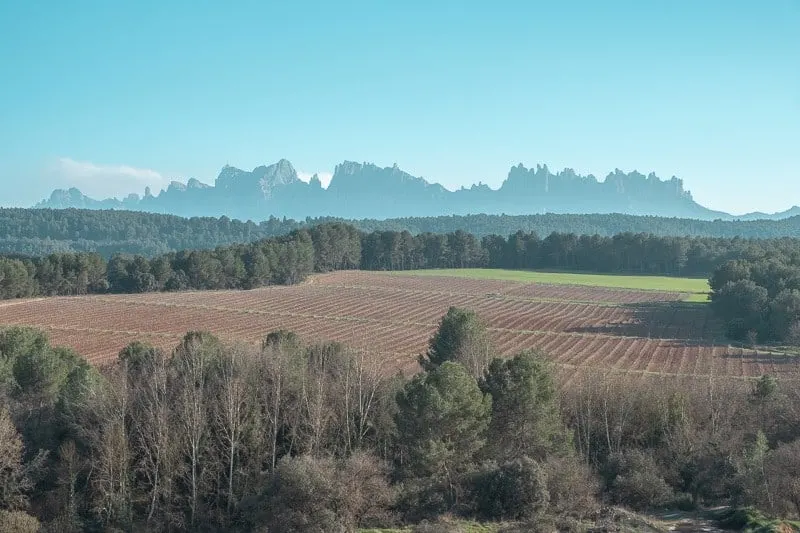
(111, 95)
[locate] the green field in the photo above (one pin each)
(696, 288)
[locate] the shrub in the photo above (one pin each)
(302, 497)
(782, 466)
(517, 490)
(636, 481)
(18, 522)
(423, 498)
(572, 486)
(366, 496)
(308, 494)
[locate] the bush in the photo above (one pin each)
(517, 490)
(366, 495)
(18, 522)
(782, 466)
(572, 486)
(302, 497)
(751, 520)
(309, 494)
(684, 502)
(636, 481)
(424, 498)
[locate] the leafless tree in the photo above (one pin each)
(105, 430)
(319, 377)
(14, 474)
(195, 362)
(67, 496)
(232, 415)
(152, 433)
(364, 378)
(275, 382)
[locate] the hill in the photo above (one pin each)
(364, 190)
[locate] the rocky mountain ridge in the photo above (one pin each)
(365, 190)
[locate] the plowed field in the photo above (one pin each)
(581, 328)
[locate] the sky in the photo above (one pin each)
(115, 96)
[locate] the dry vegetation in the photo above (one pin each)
(599, 329)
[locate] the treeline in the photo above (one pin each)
(759, 300)
(288, 436)
(636, 253)
(38, 232)
(281, 260)
(605, 225)
(337, 246)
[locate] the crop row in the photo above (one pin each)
(272, 308)
(398, 346)
(452, 285)
(100, 329)
(394, 320)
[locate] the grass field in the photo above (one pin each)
(695, 288)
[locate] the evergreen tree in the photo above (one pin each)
(462, 337)
(441, 423)
(525, 416)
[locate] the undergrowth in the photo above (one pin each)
(750, 520)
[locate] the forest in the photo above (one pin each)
(290, 436)
(759, 299)
(36, 232)
(336, 246)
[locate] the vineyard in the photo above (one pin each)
(636, 332)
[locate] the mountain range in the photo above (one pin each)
(364, 190)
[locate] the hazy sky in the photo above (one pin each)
(113, 96)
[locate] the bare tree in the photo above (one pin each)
(105, 430)
(151, 431)
(69, 469)
(363, 381)
(232, 414)
(320, 373)
(276, 387)
(14, 478)
(195, 362)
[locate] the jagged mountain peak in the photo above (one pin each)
(228, 175)
(361, 177)
(73, 197)
(347, 168)
(176, 186)
(196, 184)
(366, 190)
(262, 180)
(61, 198)
(280, 173)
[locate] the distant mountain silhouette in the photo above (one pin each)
(781, 215)
(367, 191)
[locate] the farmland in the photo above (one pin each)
(581, 327)
(620, 281)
